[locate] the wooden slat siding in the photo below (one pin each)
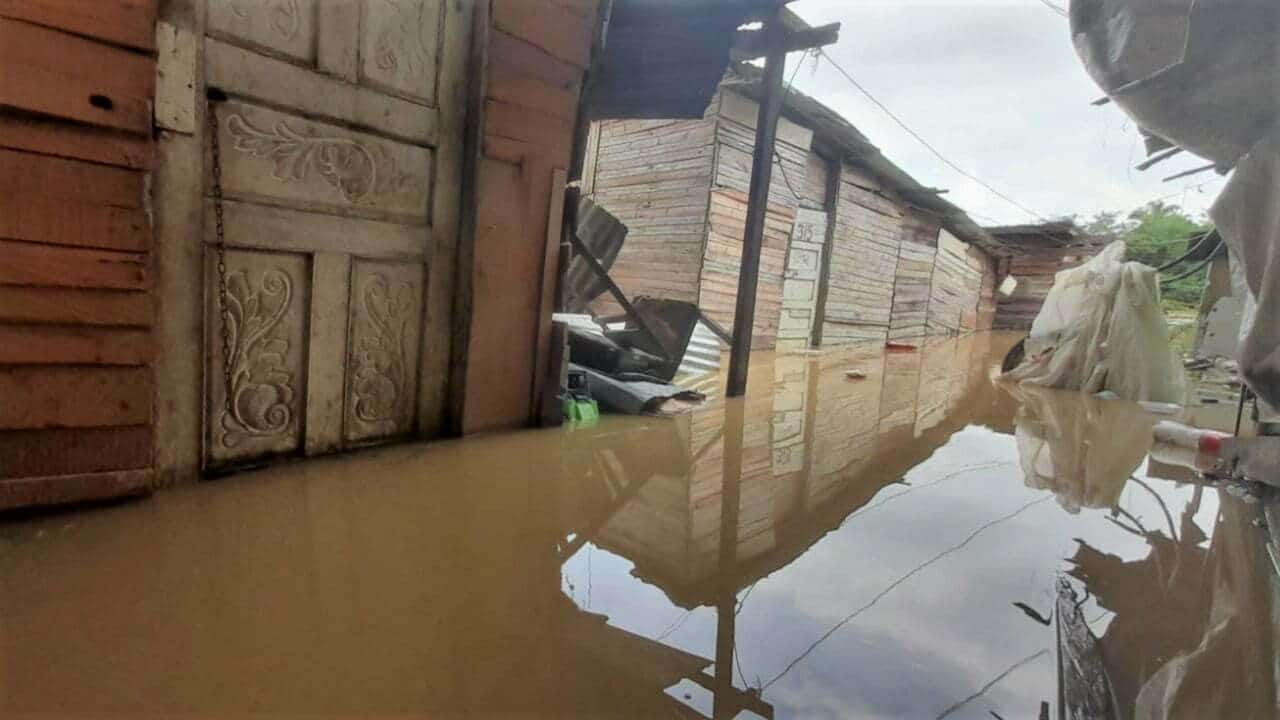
(125, 22)
(534, 55)
(864, 262)
(987, 295)
(51, 266)
(813, 191)
(722, 259)
(552, 136)
(64, 222)
(512, 54)
(57, 345)
(76, 391)
(1034, 264)
(62, 489)
(83, 450)
(736, 146)
(655, 176)
(553, 29)
(68, 306)
(912, 279)
(78, 142)
(74, 397)
(28, 174)
(54, 73)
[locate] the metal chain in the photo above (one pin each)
(220, 246)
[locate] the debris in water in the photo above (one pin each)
(855, 374)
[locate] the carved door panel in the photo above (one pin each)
(340, 149)
(800, 284)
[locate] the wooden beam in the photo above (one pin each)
(757, 205)
(760, 43)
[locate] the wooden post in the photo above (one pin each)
(831, 204)
(723, 705)
(757, 205)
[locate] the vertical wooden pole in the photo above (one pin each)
(831, 205)
(757, 204)
(723, 706)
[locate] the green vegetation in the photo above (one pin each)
(1155, 234)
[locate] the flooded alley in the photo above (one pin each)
(866, 534)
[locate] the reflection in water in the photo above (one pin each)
(890, 546)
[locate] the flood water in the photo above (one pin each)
(919, 543)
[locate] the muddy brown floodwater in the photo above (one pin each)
(919, 543)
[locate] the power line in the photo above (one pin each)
(983, 690)
(894, 585)
(776, 156)
(823, 54)
(1055, 8)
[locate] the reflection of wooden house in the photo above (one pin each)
(814, 450)
(854, 248)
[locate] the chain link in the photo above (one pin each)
(220, 246)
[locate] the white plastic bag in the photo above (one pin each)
(1101, 328)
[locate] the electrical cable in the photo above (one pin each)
(823, 54)
(1055, 8)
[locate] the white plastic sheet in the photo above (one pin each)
(1248, 217)
(1101, 328)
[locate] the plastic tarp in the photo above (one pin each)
(1101, 328)
(1248, 217)
(1201, 74)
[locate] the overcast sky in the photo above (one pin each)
(996, 86)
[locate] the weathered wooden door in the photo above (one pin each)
(800, 284)
(339, 145)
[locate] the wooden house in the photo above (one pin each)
(232, 232)
(854, 248)
(1033, 255)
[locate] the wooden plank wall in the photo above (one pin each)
(914, 275)
(76, 389)
(1035, 263)
(726, 220)
(985, 313)
(864, 261)
(954, 289)
(655, 176)
(537, 54)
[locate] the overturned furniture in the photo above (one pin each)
(632, 357)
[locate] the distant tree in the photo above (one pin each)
(1155, 234)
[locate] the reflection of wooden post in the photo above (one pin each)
(724, 705)
(757, 205)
